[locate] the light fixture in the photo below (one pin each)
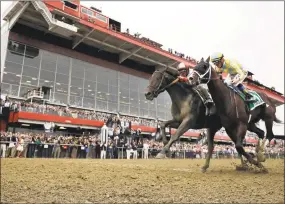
(28, 81)
(89, 90)
(34, 78)
(18, 75)
(47, 81)
(58, 83)
(79, 88)
(27, 125)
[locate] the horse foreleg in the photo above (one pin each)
(210, 138)
(171, 123)
(183, 127)
(240, 133)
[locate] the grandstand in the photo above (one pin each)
(73, 66)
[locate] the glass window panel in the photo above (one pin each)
(124, 92)
(112, 97)
(123, 76)
(112, 106)
(143, 83)
(124, 108)
(160, 115)
(124, 99)
(32, 51)
(142, 97)
(61, 88)
(77, 68)
(152, 105)
(134, 86)
(46, 83)
(76, 82)
(24, 90)
(13, 67)
(60, 98)
(134, 110)
(101, 96)
(61, 78)
(31, 71)
(112, 77)
(46, 75)
(102, 88)
(14, 57)
(113, 90)
(47, 65)
(14, 90)
(134, 102)
(63, 61)
(75, 100)
(32, 61)
(89, 85)
(77, 91)
(88, 103)
(16, 47)
(29, 81)
(124, 84)
(133, 95)
(101, 105)
(144, 112)
(152, 114)
(11, 78)
(62, 69)
(90, 74)
(144, 104)
(102, 77)
(89, 93)
(6, 88)
(49, 56)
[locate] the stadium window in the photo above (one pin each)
(10, 78)
(14, 57)
(87, 11)
(16, 47)
(13, 67)
(101, 17)
(70, 5)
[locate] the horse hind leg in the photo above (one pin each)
(252, 128)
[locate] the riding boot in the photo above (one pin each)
(248, 96)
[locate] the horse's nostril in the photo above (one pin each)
(190, 78)
(147, 94)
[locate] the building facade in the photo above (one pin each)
(78, 83)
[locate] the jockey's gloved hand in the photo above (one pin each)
(183, 79)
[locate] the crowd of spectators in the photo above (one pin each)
(147, 41)
(38, 144)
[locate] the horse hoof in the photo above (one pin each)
(160, 156)
(203, 170)
(241, 168)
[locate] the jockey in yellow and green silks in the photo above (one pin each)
(234, 70)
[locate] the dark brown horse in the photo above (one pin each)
(187, 109)
(232, 109)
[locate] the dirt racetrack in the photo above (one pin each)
(137, 181)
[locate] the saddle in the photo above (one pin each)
(249, 105)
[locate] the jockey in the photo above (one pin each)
(200, 89)
(235, 71)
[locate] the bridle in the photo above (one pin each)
(201, 76)
(160, 89)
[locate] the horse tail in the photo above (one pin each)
(278, 120)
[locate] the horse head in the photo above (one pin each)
(202, 72)
(159, 81)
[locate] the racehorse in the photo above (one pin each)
(187, 109)
(234, 114)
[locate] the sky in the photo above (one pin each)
(250, 32)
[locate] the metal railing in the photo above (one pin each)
(73, 151)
